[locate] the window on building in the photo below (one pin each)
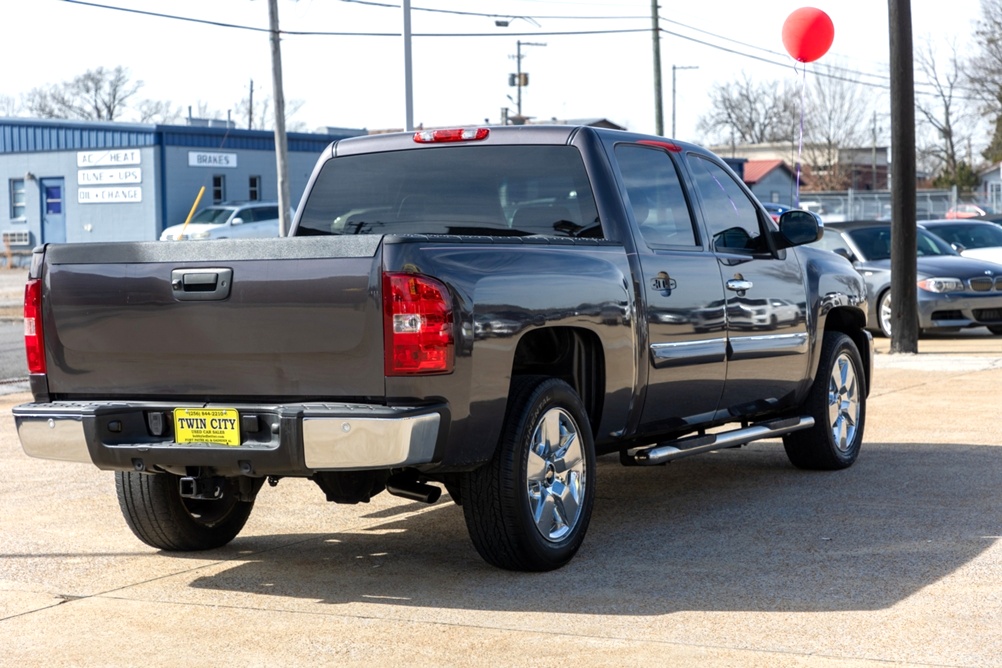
(218, 188)
(17, 210)
(53, 199)
(254, 190)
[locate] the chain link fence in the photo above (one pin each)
(874, 204)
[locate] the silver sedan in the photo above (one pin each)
(954, 292)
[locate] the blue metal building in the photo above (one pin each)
(78, 181)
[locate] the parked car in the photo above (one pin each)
(775, 210)
(954, 292)
(236, 220)
(970, 237)
(970, 210)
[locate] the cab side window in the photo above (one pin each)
(656, 196)
(732, 219)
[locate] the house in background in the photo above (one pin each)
(772, 181)
(863, 168)
(990, 188)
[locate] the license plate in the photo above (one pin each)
(207, 425)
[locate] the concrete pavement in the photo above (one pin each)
(726, 559)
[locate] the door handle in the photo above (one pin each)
(739, 285)
(201, 285)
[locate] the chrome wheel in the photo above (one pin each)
(837, 402)
(884, 314)
(843, 403)
(555, 475)
(529, 507)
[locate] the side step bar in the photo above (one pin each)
(693, 445)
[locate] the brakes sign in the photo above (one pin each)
(207, 425)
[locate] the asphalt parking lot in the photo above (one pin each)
(730, 558)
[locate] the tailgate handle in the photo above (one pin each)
(201, 284)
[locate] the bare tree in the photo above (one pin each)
(162, 111)
(984, 72)
(750, 113)
(95, 95)
(947, 114)
(835, 114)
(262, 116)
(9, 106)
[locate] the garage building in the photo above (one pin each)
(79, 181)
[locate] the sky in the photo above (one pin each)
(357, 81)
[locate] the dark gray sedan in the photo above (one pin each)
(954, 292)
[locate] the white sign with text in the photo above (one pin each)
(110, 195)
(205, 159)
(96, 177)
(123, 156)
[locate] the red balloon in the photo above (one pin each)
(808, 34)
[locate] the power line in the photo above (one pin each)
(390, 5)
(848, 73)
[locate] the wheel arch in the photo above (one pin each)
(852, 323)
(572, 354)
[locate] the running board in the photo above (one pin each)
(661, 454)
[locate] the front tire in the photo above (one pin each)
(528, 508)
(837, 402)
(160, 517)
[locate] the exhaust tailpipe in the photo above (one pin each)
(409, 488)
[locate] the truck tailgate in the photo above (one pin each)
(300, 318)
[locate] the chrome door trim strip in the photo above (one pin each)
(685, 353)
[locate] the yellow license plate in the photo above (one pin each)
(207, 425)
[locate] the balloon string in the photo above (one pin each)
(800, 147)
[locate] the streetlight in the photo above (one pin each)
(675, 68)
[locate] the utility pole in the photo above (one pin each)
(873, 155)
(408, 75)
(675, 68)
(904, 236)
(281, 140)
(250, 107)
(659, 117)
(520, 79)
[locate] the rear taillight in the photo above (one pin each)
(417, 325)
(34, 342)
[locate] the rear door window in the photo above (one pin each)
(656, 196)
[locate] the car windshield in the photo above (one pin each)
(478, 190)
(969, 235)
(875, 243)
(214, 215)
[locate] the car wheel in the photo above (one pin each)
(995, 329)
(837, 402)
(884, 314)
(160, 517)
(528, 508)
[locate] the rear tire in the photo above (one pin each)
(157, 514)
(528, 508)
(837, 402)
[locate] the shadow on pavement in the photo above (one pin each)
(728, 531)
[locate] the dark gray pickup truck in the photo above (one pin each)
(481, 309)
